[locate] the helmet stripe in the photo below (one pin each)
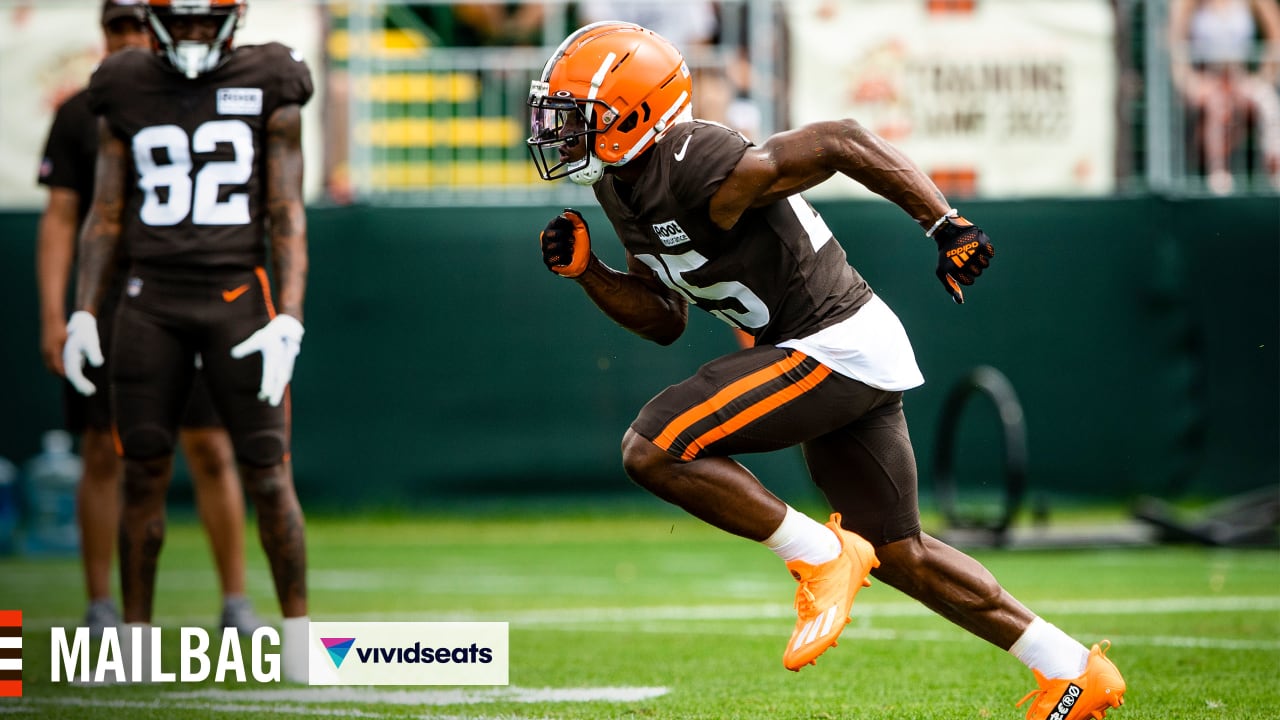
(658, 128)
(596, 81)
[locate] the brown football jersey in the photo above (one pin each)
(71, 150)
(196, 195)
(777, 274)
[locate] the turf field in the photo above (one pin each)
(658, 616)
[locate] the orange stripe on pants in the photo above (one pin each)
(757, 410)
(265, 284)
(739, 387)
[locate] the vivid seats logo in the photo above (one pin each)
(10, 653)
(338, 649)
(409, 653)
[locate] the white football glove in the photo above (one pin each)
(279, 342)
(82, 344)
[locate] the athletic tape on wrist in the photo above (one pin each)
(947, 216)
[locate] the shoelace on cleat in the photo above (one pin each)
(805, 600)
(1033, 694)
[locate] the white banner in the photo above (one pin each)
(1013, 98)
(408, 653)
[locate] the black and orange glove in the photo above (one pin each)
(964, 250)
(566, 244)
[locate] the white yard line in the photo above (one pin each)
(230, 707)
(758, 611)
(867, 634)
(562, 617)
(312, 701)
(451, 696)
(1196, 642)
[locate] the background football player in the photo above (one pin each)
(199, 160)
(67, 170)
(708, 218)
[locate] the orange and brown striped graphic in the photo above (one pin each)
(10, 653)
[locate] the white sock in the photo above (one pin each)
(1054, 653)
(295, 639)
(800, 537)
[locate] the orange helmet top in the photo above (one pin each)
(627, 84)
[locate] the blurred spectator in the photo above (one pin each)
(1225, 60)
(482, 23)
(685, 24)
(337, 98)
(748, 71)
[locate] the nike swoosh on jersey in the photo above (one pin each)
(683, 148)
(231, 295)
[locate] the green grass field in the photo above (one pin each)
(658, 616)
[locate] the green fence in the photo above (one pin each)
(443, 362)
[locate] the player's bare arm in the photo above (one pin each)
(55, 253)
(796, 160)
(1268, 18)
(285, 208)
(283, 533)
(100, 236)
(636, 300)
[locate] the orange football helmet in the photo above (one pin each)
(614, 86)
(191, 57)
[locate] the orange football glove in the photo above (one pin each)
(964, 250)
(566, 244)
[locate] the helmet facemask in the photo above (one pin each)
(191, 57)
(558, 124)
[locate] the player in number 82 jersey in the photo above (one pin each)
(199, 175)
(197, 150)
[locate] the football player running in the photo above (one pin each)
(199, 161)
(709, 218)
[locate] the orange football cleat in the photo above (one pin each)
(825, 596)
(1091, 695)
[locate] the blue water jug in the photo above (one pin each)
(8, 508)
(51, 480)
